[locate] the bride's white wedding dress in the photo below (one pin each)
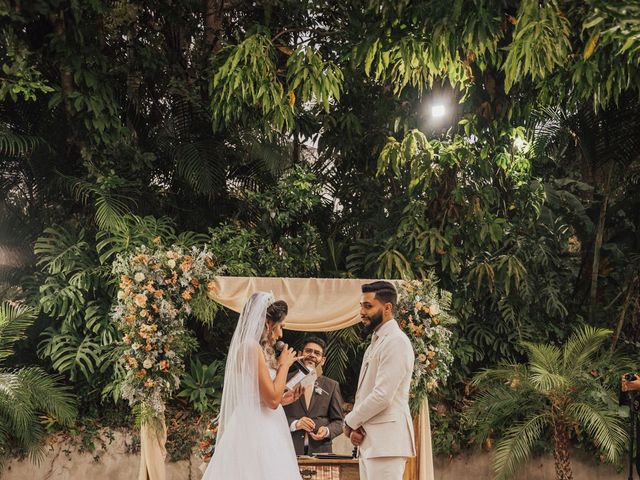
(265, 452)
(254, 441)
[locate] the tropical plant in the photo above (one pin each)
(202, 385)
(27, 393)
(558, 391)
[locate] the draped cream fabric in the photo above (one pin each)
(315, 305)
(425, 452)
(153, 438)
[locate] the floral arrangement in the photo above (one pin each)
(423, 314)
(155, 291)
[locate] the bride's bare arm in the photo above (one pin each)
(271, 391)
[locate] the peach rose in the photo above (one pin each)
(140, 300)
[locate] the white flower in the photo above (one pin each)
(120, 294)
(171, 263)
(434, 309)
(139, 277)
(136, 346)
(170, 354)
(147, 363)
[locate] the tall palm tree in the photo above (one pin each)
(28, 392)
(549, 397)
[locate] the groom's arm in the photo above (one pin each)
(394, 364)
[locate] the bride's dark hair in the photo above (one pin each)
(276, 313)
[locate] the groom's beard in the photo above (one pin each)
(374, 321)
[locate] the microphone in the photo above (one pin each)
(297, 366)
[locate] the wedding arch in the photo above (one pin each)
(315, 304)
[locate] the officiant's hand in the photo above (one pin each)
(291, 396)
(321, 434)
(306, 424)
(357, 436)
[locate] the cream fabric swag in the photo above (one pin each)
(315, 305)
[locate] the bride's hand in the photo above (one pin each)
(287, 357)
(291, 396)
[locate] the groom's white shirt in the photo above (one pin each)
(382, 399)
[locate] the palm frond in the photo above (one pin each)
(605, 427)
(14, 320)
(47, 395)
(14, 145)
(15, 405)
(582, 345)
(545, 381)
(515, 447)
(110, 209)
(135, 231)
(503, 373)
(198, 164)
(24, 394)
(110, 203)
(497, 404)
(339, 344)
(544, 356)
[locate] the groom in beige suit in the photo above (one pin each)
(380, 422)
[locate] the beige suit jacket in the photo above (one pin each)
(382, 399)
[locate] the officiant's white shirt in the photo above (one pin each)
(382, 399)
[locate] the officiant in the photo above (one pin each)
(315, 419)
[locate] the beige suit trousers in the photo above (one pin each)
(382, 468)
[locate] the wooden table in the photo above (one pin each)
(329, 469)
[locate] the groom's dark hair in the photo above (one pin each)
(385, 291)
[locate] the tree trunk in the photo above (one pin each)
(561, 451)
(213, 11)
(598, 245)
(631, 288)
(66, 75)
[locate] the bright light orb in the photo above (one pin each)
(438, 111)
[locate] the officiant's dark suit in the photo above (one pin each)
(320, 404)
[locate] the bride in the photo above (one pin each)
(253, 440)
